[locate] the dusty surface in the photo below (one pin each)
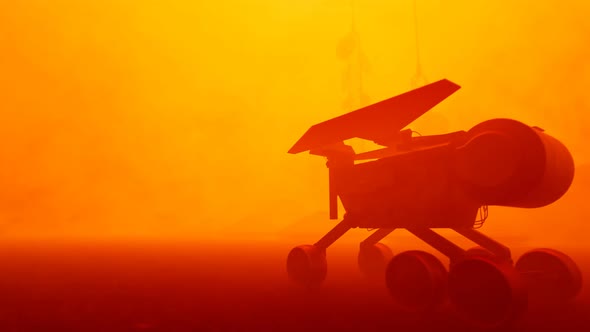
(181, 286)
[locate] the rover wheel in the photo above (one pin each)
(416, 280)
(373, 259)
(479, 251)
(306, 265)
(485, 292)
(551, 276)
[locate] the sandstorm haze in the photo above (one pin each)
(149, 118)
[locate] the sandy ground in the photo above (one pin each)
(184, 286)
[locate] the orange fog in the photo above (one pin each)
(151, 119)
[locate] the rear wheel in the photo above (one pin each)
(551, 276)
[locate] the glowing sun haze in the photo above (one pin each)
(153, 118)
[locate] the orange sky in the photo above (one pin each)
(163, 118)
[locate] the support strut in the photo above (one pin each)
(498, 249)
(333, 235)
(435, 240)
(376, 236)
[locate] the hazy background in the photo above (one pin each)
(172, 118)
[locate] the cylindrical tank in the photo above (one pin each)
(505, 162)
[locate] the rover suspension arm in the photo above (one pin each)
(334, 234)
(435, 240)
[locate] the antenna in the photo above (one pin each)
(350, 51)
(419, 78)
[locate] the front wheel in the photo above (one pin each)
(373, 259)
(307, 266)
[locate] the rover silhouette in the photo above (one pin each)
(421, 183)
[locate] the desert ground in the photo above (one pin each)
(156, 285)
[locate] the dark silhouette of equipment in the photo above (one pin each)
(441, 181)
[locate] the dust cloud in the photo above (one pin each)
(145, 118)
